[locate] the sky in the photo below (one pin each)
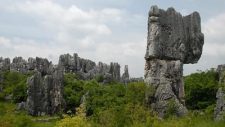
(101, 30)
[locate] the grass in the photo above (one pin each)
(10, 117)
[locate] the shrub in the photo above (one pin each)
(14, 84)
(200, 89)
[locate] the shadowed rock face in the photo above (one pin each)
(125, 76)
(173, 40)
(4, 66)
(219, 110)
(174, 37)
(45, 92)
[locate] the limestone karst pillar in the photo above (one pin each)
(173, 40)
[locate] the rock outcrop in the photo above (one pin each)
(45, 87)
(45, 92)
(219, 111)
(87, 69)
(4, 66)
(173, 40)
(18, 64)
(125, 77)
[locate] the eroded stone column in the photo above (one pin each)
(173, 40)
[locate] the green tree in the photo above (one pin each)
(200, 89)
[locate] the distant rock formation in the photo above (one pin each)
(125, 76)
(173, 40)
(4, 66)
(88, 69)
(219, 111)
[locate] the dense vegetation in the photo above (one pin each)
(200, 89)
(92, 104)
(14, 86)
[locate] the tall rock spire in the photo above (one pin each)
(173, 40)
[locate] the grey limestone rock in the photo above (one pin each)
(45, 93)
(115, 71)
(87, 69)
(172, 36)
(173, 40)
(4, 64)
(21, 106)
(125, 76)
(19, 64)
(75, 63)
(219, 111)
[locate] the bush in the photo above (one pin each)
(200, 89)
(73, 91)
(14, 84)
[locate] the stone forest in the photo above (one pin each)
(78, 92)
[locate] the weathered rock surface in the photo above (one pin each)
(45, 87)
(219, 111)
(45, 92)
(88, 69)
(174, 37)
(173, 40)
(4, 64)
(125, 77)
(18, 64)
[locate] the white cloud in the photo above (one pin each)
(90, 33)
(215, 26)
(214, 30)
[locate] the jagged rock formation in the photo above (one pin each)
(125, 76)
(4, 66)
(18, 64)
(45, 90)
(173, 40)
(219, 111)
(45, 87)
(88, 69)
(75, 63)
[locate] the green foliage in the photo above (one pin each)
(171, 111)
(200, 89)
(14, 84)
(99, 78)
(9, 117)
(114, 104)
(76, 121)
(73, 91)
